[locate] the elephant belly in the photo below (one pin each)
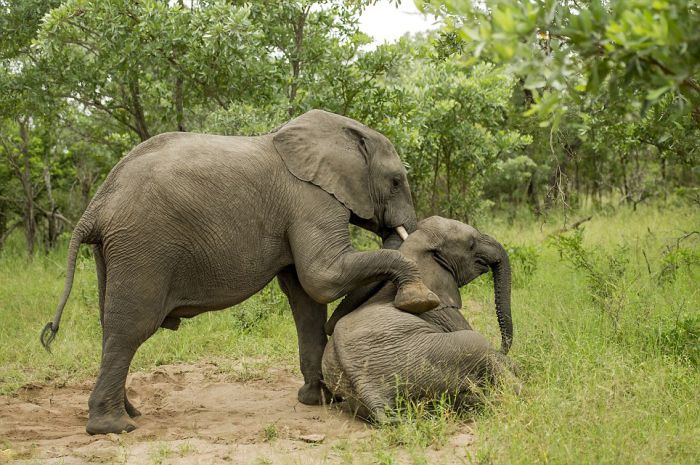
(191, 274)
(224, 278)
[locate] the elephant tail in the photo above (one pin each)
(81, 234)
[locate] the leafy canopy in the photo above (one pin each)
(570, 51)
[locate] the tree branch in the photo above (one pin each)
(56, 215)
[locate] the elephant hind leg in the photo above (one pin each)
(127, 323)
(132, 411)
(107, 402)
(371, 407)
(481, 366)
(101, 268)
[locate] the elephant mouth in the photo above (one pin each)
(482, 264)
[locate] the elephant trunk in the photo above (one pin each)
(411, 223)
(502, 283)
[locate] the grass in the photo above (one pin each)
(601, 386)
(159, 454)
(607, 342)
(270, 432)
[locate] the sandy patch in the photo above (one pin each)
(193, 414)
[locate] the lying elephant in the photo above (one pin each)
(190, 223)
(378, 351)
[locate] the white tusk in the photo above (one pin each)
(402, 232)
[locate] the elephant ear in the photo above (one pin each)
(330, 151)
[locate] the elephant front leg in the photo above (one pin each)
(329, 278)
(309, 317)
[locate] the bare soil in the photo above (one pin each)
(194, 414)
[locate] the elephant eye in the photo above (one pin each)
(395, 182)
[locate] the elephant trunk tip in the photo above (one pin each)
(505, 345)
(48, 334)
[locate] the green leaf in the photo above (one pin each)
(655, 94)
(504, 19)
(534, 81)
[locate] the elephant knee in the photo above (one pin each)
(324, 287)
(320, 295)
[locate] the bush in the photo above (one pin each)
(523, 262)
(605, 272)
(676, 257)
(682, 340)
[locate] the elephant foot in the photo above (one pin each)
(380, 418)
(310, 394)
(110, 423)
(316, 394)
(132, 411)
(415, 297)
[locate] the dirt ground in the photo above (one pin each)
(195, 414)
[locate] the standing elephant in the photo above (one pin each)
(189, 223)
(378, 351)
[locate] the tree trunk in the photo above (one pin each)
(25, 176)
(577, 178)
(295, 60)
(448, 181)
(137, 110)
(179, 111)
(559, 179)
(52, 236)
(532, 199)
(3, 225)
(85, 185)
(179, 106)
(624, 188)
(433, 194)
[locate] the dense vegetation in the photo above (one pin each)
(519, 117)
(545, 104)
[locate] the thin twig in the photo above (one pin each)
(572, 227)
(647, 261)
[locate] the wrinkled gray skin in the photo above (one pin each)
(377, 348)
(188, 223)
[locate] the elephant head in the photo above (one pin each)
(450, 254)
(355, 164)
